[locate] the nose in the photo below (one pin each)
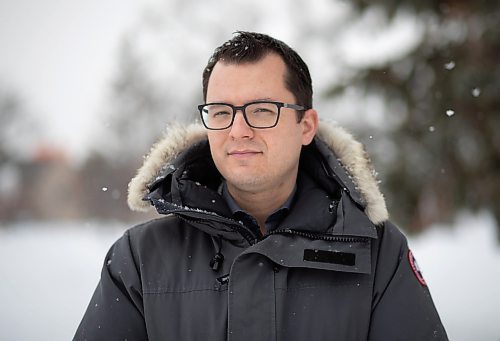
(240, 128)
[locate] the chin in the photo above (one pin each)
(245, 182)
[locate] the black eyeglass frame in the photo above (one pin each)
(242, 108)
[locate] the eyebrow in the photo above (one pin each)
(263, 99)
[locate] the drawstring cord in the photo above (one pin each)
(218, 258)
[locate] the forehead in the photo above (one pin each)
(264, 78)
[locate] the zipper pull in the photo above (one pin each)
(223, 279)
(216, 262)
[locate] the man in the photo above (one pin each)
(273, 229)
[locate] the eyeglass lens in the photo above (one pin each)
(259, 115)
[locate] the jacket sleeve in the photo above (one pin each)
(402, 305)
(115, 311)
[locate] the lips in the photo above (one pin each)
(243, 153)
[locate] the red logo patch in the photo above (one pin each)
(415, 268)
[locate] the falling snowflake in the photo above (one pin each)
(476, 92)
(450, 65)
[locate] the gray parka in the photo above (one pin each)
(334, 269)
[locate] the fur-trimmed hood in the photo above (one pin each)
(349, 152)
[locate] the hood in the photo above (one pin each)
(354, 169)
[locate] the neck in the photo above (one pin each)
(261, 204)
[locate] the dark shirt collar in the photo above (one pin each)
(271, 222)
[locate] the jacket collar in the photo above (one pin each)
(347, 161)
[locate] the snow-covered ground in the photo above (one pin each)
(49, 271)
(462, 267)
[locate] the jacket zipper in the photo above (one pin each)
(252, 239)
(320, 236)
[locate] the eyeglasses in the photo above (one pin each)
(260, 114)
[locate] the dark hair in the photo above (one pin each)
(250, 47)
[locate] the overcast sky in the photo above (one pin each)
(59, 55)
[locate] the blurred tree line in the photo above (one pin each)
(437, 149)
(38, 181)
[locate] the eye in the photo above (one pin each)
(218, 111)
(221, 113)
(263, 109)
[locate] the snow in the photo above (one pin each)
(375, 41)
(450, 65)
(462, 268)
(50, 270)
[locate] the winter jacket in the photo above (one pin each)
(334, 269)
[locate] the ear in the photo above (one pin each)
(309, 125)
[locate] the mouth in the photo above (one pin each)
(243, 153)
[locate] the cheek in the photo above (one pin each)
(284, 147)
(216, 146)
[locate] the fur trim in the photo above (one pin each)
(177, 139)
(357, 163)
(350, 152)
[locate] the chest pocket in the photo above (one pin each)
(332, 304)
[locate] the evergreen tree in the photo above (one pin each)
(446, 153)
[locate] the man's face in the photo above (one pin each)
(256, 160)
